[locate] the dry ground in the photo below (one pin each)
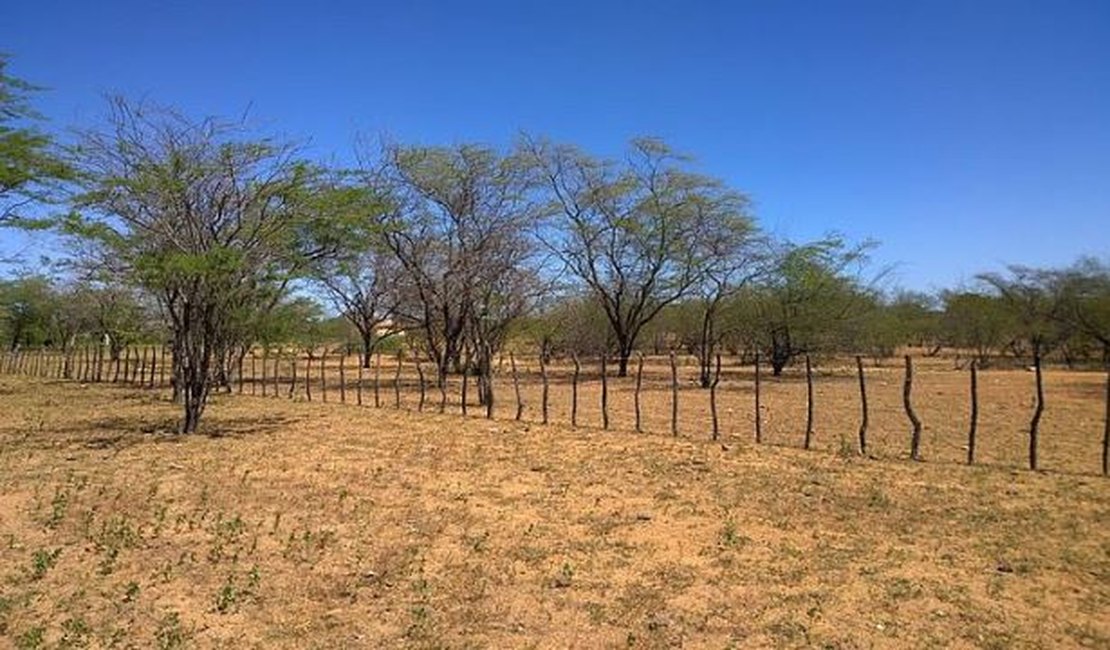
(311, 525)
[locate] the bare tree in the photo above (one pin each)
(733, 257)
(460, 231)
(630, 231)
(361, 279)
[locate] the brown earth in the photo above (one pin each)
(313, 525)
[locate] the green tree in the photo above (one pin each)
(813, 301)
(208, 220)
(27, 311)
(30, 168)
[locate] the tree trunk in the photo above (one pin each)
(367, 347)
(625, 353)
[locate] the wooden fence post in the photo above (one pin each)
(265, 362)
(100, 363)
(324, 375)
(358, 388)
(674, 396)
(489, 387)
(308, 375)
(293, 374)
(974, 424)
(604, 392)
(758, 415)
(543, 378)
(239, 366)
(343, 377)
(162, 369)
(639, 386)
(397, 383)
(863, 407)
(441, 381)
(574, 390)
(809, 403)
(516, 387)
(153, 367)
(713, 398)
(1034, 424)
(277, 373)
(378, 381)
(420, 378)
(907, 388)
(1106, 429)
(253, 373)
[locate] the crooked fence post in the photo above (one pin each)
(863, 407)
(543, 378)
(465, 384)
(378, 381)
(907, 388)
(358, 386)
(809, 403)
(265, 362)
(574, 391)
(758, 415)
(397, 383)
(324, 375)
(604, 392)
(308, 375)
(441, 379)
(713, 398)
(343, 377)
(674, 396)
(1106, 429)
(420, 377)
(277, 373)
(974, 424)
(639, 386)
(516, 387)
(1034, 424)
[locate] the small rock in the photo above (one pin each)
(643, 516)
(1004, 567)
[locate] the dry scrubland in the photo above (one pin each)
(312, 525)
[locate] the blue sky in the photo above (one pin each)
(961, 135)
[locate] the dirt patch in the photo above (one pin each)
(328, 526)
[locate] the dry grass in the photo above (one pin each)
(305, 525)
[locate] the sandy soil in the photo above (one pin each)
(313, 525)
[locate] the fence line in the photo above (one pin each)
(149, 367)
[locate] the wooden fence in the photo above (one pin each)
(532, 387)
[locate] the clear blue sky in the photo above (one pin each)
(962, 135)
